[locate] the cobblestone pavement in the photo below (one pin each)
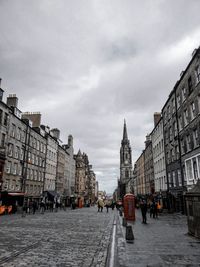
(161, 242)
(67, 238)
(82, 238)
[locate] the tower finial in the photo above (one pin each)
(125, 135)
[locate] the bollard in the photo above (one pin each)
(129, 234)
(124, 222)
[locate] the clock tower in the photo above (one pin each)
(125, 163)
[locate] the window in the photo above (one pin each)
(1, 115)
(180, 123)
(168, 113)
(174, 179)
(199, 103)
(188, 142)
(198, 160)
(190, 84)
(194, 163)
(21, 154)
(176, 152)
(182, 147)
(19, 170)
(192, 108)
(15, 168)
(169, 179)
(179, 178)
(175, 128)
(17, 152)
(38, 145)
(195, 137)
(197, 74)
(3, 137)
(173, 105)
(5, 119)
(8, 167)
(178, 101)
(170, 133)
(186, 119)
(10, 150)
(183, 93)
(19, 134)
(189, 169)
(13, 130)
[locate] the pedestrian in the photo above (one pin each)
(100, 205)
(152, 208)
(24, 209)
(42, 206)
(156, 211)
(107, 205)
(34, 206)
(143, 207)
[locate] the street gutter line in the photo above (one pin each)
(112, 251)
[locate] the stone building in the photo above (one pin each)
(70, 170)
(80, 179)
(34, 156)
(51, 161)
(4, 126)
(125, 164)
(172, 155)
(148, 167)
(60, 173)
(14, 138)
(188, 113)
(140, 177)
(157, 139)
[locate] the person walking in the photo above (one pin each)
(107, 205)
(34, 206)
(100, 205)
(143, 207)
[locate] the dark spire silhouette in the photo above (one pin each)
(125, 135)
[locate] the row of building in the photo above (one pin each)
(34, 163)
(169, 165)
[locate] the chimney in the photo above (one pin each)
(148, 140)
(12, 101)
(55, 133)
(35, 117)
(157, 116)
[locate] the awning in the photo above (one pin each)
(16, 194)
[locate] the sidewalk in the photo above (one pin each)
(161, 242)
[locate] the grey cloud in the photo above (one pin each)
(88, 65)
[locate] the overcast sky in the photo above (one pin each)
(88, 64)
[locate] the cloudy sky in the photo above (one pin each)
(87, 65)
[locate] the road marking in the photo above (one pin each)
(112, 251)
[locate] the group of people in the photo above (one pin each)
(30, 206)
(144, 208)
(107, 204)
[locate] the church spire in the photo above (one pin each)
(125, 135)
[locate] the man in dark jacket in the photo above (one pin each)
(143, 207)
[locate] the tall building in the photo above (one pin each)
(125, 163)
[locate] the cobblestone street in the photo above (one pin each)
(82, 237)
(67, 238)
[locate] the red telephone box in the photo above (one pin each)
(129, 207)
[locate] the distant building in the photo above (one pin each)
(125, 164)
(157, 139)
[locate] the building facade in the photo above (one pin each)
(188, 113)
(157, 139)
